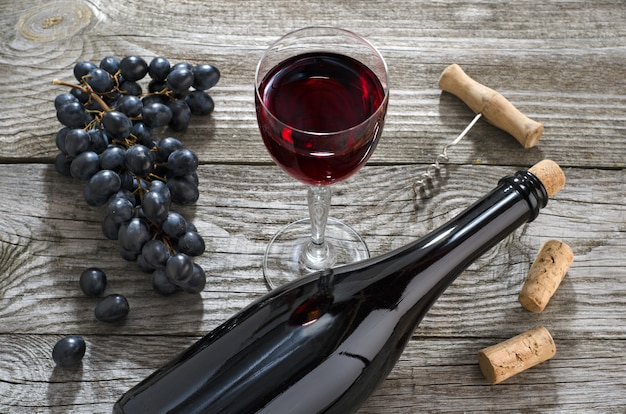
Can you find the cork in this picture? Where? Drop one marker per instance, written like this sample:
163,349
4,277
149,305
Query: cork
506,359
545,275
550,175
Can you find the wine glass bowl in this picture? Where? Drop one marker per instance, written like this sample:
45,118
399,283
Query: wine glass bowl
321,99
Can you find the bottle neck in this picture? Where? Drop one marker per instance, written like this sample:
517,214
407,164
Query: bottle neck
424,268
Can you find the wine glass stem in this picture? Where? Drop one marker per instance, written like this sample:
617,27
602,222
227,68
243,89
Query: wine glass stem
318,254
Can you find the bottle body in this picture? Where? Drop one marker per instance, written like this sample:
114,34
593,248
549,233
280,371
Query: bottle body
325,342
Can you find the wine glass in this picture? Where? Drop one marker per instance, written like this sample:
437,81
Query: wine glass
321,98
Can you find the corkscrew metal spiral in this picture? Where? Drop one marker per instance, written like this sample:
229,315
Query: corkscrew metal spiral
432,169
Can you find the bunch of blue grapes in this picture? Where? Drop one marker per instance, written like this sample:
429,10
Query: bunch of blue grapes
109,141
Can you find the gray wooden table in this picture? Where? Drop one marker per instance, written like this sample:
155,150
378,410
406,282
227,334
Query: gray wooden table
562,63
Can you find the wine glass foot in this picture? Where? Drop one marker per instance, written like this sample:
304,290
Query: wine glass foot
290,255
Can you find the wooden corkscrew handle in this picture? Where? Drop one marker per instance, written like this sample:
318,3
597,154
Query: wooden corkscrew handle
494,107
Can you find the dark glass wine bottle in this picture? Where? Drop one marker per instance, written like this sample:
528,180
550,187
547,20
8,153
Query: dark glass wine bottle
323,343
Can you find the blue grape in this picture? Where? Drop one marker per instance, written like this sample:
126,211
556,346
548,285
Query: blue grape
159,68
196,282
76,141
112,308
120,209
81,95
139,160
200,103
174,225
162,284
113,158
98,141
205,76
85,165
179,268
100,80
160,186
133,68
143,134
72,115
104,183
111,64
62,164
181,115
130,88
82,69
116,124
130,105
64,98
184,189
93,281
155,253
133,234
110,228
191,243
182,65
69,351
156,114
182,162
155,206
165,146
179,80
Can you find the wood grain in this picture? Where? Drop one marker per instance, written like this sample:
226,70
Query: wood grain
561,63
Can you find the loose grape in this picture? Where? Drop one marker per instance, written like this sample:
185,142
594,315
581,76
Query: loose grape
112,308
69,351
93,281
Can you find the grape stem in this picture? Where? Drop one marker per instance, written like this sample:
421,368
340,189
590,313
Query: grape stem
86,90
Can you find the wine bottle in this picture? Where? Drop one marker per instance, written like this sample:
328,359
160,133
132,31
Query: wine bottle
323,343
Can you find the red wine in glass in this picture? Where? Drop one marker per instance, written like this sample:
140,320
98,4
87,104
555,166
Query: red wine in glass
320,116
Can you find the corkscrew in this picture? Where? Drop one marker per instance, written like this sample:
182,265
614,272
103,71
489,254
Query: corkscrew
488,104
